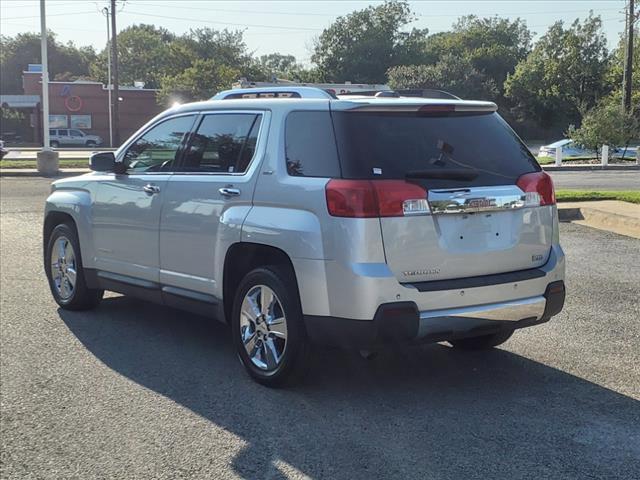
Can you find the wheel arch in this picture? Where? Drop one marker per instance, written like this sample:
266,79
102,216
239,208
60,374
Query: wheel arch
72,207
240,259
52,219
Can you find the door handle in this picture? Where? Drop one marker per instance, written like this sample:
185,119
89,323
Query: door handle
229,192
151,189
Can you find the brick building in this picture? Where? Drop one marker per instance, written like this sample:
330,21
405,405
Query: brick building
83,105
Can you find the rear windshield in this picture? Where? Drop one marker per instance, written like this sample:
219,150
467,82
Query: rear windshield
385,145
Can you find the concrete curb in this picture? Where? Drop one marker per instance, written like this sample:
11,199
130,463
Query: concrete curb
30,172
587,167
592,216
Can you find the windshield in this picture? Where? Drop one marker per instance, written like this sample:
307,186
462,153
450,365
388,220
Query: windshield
390,145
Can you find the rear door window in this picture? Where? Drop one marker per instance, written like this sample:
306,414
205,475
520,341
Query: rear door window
223,143
310,145
390,145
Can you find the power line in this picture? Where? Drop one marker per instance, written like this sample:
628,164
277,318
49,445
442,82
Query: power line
281,27
306,14
49,4
52,29
261,12
49,15
504,14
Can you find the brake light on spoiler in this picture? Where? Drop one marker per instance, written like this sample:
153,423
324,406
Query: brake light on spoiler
397,105
375,198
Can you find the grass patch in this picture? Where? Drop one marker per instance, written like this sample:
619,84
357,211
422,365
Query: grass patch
632,196
552,160
64,163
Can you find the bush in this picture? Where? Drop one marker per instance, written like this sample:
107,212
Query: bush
606,124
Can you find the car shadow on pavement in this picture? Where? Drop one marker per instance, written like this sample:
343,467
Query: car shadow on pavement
421,412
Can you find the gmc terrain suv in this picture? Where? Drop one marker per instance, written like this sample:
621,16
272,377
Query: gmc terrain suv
297,216
72,137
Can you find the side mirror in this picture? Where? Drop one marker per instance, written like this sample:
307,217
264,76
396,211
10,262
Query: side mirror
105,162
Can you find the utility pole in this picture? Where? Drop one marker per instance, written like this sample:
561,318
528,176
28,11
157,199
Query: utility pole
45,77
628,67
115,97
105,10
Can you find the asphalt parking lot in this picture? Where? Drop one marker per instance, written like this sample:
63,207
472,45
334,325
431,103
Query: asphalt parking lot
134,390
597,180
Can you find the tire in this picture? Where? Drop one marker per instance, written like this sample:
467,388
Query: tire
62,257
276,352
483,342
91,143
54,144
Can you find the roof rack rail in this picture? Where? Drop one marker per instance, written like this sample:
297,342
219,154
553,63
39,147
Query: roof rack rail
280,88
273,92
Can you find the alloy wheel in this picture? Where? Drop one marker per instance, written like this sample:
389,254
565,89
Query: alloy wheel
63,267
263,327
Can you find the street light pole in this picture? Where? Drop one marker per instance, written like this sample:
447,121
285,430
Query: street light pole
46,159
45,77
105,10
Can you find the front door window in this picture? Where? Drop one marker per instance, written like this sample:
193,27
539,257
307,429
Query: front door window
158,149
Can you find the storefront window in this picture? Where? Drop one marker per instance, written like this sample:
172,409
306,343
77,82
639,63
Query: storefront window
81,121
58,121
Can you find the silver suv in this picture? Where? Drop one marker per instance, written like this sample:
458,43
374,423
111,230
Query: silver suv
348,221
72,137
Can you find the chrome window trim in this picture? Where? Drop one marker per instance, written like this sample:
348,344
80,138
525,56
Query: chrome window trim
198,116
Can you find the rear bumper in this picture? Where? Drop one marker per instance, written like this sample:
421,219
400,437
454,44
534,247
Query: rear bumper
402,322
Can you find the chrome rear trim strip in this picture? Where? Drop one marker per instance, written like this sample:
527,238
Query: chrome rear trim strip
477,199
511,311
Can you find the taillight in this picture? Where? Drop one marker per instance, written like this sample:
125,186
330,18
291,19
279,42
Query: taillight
351,198
375,198
538,188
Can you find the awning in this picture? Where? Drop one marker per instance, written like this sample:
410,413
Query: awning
19,101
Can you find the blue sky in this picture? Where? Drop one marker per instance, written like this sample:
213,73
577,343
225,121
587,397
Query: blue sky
283,26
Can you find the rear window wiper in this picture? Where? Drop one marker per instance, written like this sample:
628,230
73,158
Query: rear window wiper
444,174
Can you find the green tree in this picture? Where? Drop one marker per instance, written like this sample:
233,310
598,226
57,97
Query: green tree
362,46
197,82
452,73
564,76
277,65
66,62
143,54
493,45
204,61
224,46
